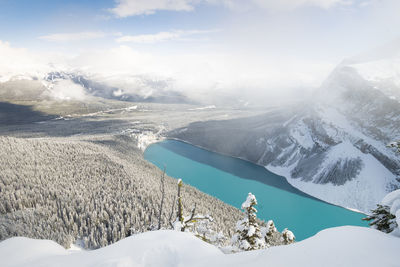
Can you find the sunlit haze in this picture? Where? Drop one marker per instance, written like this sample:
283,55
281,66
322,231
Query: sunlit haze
272,48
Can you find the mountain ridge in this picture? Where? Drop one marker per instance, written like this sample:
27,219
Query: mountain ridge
333,147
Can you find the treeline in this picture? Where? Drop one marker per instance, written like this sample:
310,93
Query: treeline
99,191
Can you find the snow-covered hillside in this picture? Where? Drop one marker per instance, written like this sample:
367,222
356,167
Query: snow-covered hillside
352,246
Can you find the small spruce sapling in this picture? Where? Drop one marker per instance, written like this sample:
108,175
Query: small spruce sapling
271,235
288,236
248,235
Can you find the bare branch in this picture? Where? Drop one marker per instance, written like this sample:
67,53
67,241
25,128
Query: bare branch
162,189
172,213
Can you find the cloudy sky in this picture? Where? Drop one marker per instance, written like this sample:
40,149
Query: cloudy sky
264,45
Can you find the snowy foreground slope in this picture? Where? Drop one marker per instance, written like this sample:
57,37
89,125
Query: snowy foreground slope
352,246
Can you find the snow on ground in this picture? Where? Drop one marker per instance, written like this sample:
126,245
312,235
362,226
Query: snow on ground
347,130
340,246
301,133
203,108
146,138
393,201
370,183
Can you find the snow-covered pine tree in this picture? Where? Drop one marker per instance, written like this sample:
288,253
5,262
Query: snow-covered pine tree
248,235
288,236
381,219
271,235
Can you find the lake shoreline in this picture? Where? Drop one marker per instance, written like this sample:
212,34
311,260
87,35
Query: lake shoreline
228,178
226,155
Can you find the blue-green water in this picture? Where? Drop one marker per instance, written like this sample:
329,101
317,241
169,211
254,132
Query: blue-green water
230,180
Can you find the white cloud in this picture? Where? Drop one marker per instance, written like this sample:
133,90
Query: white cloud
199,75
77,36
161,36
20,62
282,4
202,76
126,8
67,90
254,54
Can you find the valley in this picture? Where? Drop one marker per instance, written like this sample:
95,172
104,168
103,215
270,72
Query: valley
167,133
327,152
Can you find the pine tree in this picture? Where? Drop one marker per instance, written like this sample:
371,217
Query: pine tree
248,235
288,236
381,219
271,235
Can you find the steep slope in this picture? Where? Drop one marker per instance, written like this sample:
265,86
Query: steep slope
97,189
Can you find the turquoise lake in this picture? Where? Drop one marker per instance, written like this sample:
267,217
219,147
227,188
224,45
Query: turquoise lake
231,179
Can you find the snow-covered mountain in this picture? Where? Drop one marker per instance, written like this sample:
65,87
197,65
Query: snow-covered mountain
136,88
74,84
332,147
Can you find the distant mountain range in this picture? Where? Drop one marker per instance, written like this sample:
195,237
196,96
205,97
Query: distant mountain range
58,84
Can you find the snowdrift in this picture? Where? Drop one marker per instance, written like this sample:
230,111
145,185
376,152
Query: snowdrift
341,246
